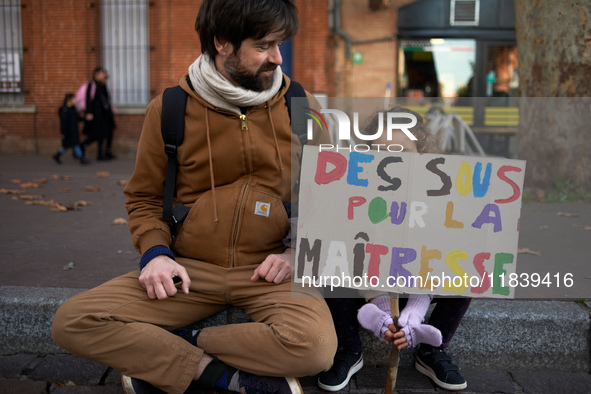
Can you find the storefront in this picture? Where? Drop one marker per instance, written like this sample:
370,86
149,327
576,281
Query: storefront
461,56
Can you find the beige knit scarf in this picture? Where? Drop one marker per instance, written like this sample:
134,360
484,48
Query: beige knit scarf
221,93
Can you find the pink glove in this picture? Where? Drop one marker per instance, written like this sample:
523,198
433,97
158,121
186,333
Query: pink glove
411,319
375,316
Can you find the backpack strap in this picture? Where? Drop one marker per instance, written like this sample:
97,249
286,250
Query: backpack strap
174,101
297,113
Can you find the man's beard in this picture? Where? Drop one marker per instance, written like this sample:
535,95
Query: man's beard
239,74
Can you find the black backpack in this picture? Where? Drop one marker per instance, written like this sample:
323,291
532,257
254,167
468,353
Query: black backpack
174,102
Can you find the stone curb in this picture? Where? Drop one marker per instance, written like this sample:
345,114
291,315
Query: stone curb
494,334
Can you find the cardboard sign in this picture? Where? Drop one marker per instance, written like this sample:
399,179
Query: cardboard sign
408,223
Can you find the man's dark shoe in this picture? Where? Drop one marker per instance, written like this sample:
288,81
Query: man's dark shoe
57,159
255,384
436,364
344,366
136,386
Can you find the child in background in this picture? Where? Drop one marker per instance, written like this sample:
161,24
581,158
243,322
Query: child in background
431,359
69,119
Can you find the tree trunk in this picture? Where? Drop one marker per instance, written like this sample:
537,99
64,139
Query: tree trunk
554,49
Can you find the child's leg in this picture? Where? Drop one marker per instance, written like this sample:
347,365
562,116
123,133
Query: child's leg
57,156
344,316
77,151
348,359
447,315
433,361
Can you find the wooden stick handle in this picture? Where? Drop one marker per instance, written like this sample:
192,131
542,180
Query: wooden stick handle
394,353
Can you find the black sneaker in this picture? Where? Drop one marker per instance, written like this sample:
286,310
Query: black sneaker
436,364
344,366
137,386
255,384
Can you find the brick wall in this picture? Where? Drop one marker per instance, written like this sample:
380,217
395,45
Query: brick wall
310,55
55,36
379,65
61,40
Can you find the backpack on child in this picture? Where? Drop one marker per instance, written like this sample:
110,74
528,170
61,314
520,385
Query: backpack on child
81,94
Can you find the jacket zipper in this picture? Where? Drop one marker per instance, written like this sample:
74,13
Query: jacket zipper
236,225
246,144
244,124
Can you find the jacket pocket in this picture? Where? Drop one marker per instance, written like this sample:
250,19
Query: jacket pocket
200,237
263,225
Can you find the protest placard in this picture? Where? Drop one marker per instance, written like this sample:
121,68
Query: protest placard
408,223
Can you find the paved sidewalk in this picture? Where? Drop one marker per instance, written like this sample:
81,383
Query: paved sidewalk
506,347
66,374
557,235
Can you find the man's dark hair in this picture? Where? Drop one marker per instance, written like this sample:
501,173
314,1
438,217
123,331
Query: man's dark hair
237,20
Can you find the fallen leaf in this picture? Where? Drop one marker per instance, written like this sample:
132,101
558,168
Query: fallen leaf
64,190
59,208
92,188
119,221
56,177
16,181
103,174
543,227
528,251
43,203
40,180
12,191
30,197
568,215
82,203
122,182
68,266
586,228
30,185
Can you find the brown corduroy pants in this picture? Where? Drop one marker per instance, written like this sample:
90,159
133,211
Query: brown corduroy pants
118,325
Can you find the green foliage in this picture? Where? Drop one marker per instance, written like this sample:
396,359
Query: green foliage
565,191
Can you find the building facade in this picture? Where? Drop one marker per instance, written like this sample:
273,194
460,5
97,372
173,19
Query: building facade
50,47
444,49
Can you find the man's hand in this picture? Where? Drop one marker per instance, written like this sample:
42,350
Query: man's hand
275,268
89,117
156,277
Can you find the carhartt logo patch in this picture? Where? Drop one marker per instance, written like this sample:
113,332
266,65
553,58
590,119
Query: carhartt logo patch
262,209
